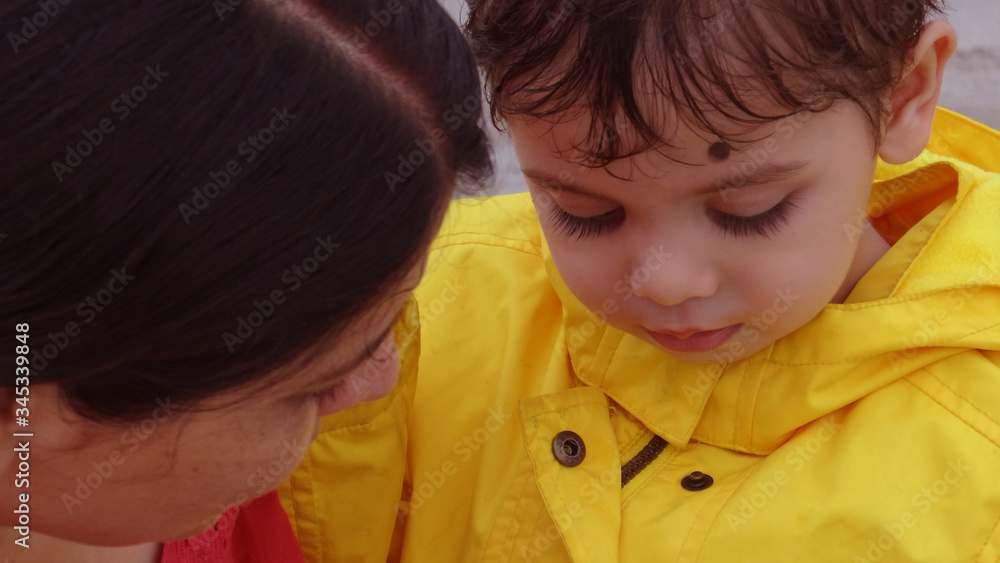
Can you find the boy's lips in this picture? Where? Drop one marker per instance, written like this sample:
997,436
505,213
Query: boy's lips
694,340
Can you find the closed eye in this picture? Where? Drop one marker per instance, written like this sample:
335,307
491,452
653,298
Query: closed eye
581,228
764,224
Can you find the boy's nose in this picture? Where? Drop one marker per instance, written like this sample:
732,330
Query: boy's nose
674,277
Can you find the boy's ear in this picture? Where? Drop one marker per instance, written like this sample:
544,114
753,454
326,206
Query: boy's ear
915,98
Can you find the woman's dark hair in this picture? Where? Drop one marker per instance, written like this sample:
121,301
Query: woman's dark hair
197,193
712,62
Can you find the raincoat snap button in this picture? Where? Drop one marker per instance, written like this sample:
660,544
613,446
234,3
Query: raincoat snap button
569,449
697,481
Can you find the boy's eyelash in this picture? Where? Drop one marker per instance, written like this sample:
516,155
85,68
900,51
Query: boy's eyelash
584,227
763,224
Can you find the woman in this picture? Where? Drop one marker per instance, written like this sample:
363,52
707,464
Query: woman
213,215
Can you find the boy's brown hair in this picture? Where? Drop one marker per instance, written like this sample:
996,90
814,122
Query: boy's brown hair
711,61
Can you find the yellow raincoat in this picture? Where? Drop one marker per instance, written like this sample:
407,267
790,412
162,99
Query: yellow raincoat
872,433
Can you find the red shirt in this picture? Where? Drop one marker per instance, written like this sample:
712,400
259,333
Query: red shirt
257,533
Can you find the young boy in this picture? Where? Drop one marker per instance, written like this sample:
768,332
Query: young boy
724,330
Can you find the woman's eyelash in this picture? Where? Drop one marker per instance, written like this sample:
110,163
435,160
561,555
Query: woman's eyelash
336,389
763,224
585,227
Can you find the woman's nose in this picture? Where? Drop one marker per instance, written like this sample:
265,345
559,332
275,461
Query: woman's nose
670,278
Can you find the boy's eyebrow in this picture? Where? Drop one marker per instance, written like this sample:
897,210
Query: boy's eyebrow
766,173
763,174
556,184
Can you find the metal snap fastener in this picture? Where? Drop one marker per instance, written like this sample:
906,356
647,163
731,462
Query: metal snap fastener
697,481
569,449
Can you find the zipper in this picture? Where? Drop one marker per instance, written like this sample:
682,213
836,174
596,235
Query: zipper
646,455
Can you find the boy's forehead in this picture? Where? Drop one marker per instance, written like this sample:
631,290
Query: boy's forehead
570,137
710,126
716,139
728,67
794,149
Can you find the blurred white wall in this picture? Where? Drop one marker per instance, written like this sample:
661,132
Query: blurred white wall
972,79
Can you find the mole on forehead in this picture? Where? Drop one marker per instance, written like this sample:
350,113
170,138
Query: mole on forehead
718,151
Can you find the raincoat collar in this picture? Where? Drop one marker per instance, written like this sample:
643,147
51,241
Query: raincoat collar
900,317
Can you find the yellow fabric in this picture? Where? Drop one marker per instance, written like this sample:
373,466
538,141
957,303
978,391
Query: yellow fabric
349,514
872,433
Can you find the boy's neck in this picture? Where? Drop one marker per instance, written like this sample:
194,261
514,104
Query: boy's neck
871,248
